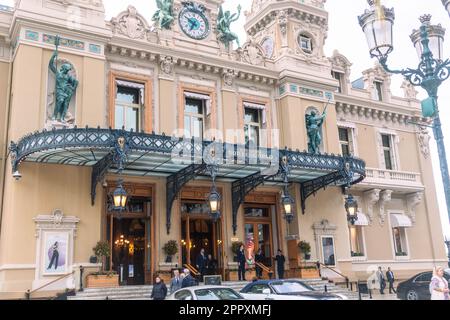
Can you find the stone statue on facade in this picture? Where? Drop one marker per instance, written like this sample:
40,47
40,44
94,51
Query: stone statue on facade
314,125
164,16
65,85
224,20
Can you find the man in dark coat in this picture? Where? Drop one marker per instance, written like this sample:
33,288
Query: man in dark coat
259,257
159,291
201,262
211,265
280,263
390,278
241,263
188,280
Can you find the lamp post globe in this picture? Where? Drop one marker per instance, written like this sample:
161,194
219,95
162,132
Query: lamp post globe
288,206
351,206
214,203
435,35
446,4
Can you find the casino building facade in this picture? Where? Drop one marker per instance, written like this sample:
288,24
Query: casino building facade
161,111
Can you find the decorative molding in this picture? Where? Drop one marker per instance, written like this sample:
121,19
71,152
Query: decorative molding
409,91
412,201
251,53
302,91
131,24
385,197
228,76
371,197
424,141
282,22
56,221
167,64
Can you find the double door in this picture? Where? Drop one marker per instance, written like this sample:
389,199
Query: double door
261,235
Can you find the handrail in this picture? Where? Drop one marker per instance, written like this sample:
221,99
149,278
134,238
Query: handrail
194,271
28,293
263,266
340,274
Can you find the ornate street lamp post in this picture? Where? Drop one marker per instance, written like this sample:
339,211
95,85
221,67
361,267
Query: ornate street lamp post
351,206
377,23
214,199
286,200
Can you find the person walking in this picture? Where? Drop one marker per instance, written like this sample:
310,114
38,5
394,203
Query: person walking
390,278
280,264
439,285
241,263
175,283
201,262
259,257
159,291
381,280
188,280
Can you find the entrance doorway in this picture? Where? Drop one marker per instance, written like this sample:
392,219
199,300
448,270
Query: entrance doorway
199,231
129,236
258,228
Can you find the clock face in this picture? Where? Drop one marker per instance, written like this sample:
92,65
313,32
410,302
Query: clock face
268,45
194,24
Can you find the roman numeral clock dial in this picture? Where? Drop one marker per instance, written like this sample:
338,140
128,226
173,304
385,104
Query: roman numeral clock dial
194,23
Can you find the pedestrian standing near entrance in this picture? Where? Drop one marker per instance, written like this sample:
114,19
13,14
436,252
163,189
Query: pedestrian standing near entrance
381,280
241,261
280,264
201,262
259,257
373,283
175,283
439,285
188,280
211,265
390,278
159,291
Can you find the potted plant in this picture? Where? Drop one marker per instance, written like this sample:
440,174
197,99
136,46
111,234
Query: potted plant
305,248
235,246
102,279
170,249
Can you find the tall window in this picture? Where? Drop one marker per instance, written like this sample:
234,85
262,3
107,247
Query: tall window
129,105
399,241
305,43
387,151
339,77
252,126
356,241
378,90
346,141
194,117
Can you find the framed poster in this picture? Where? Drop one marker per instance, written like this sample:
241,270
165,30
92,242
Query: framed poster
328,253
55,254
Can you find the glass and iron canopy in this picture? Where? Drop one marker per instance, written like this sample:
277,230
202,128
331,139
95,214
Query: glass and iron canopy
180,160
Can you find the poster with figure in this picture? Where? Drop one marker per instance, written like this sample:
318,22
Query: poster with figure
55,253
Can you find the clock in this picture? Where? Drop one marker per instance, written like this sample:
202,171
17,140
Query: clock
268,45
194,23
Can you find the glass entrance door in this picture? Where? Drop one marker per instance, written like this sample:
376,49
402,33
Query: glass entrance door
258,227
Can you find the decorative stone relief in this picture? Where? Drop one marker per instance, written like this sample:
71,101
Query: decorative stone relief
228,76
371,197
282,21
412,201
167,64
385,197
424,141
409,91
131,24
252,53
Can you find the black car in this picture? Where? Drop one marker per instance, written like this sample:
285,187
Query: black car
418,287
284,289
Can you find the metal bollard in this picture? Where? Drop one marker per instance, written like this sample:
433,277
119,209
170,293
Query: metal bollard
28,295
81,278
326,288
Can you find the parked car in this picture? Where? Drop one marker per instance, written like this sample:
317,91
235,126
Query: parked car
418,286
206,293
284,290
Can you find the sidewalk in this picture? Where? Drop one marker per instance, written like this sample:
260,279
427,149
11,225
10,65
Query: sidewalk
378,296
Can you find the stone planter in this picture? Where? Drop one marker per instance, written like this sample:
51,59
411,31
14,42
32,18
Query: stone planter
309,274
102,281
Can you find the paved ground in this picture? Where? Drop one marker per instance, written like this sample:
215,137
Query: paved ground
378,296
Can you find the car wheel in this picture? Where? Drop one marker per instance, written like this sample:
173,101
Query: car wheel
412,295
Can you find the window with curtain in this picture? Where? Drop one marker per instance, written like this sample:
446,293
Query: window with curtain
252,127
339,77
194,117
399,237
378,95
386,141
346,141
356,241
129,105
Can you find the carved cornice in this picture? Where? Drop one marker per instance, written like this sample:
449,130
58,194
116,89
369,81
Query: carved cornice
56,221
188,64
385,197
412,201
371,197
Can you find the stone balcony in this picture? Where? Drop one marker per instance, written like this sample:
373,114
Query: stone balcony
399,181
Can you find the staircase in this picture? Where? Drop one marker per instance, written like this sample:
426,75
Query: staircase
144,292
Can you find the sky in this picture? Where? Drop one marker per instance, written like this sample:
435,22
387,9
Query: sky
346,36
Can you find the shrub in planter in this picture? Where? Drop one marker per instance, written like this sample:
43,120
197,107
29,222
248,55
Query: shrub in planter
357,254
102,251
305,248
170,249
401,254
